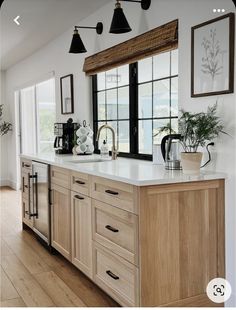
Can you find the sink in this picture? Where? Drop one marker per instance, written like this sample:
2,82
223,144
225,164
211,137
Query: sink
86,161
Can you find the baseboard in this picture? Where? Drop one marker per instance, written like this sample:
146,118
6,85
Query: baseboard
11,184
4,183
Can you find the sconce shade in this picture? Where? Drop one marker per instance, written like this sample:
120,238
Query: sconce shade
119,22
77,45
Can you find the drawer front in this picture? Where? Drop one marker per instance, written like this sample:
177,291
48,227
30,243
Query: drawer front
25,213
60,176
116,276
80,183
116,229
115,193
25,185
26,165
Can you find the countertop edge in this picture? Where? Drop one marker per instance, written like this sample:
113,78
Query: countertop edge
163,181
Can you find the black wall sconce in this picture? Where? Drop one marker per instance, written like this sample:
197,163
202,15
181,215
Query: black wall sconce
77,45
119,22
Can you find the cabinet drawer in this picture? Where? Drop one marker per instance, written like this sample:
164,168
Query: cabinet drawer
25,185
116,229
80,183
115,193
115,276
26,165
25,213
60,176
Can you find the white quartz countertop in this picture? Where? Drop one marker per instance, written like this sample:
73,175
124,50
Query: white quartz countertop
131,171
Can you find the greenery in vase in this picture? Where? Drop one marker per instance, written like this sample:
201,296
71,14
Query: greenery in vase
199,128
4,126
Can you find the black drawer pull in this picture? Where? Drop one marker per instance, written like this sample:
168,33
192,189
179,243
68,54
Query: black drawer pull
111,192
26,186
112,275
79,197
26,165
111,228
80,182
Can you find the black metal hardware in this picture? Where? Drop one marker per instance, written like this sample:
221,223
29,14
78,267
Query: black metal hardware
111,228
98,27
26,186
36,194
50,196
29,212
112,275
108,191
79,197
80,182
26,165
145,4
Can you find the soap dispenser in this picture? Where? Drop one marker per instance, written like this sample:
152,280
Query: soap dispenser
104,150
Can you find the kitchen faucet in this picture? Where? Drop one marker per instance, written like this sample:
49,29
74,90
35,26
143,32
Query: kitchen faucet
114,150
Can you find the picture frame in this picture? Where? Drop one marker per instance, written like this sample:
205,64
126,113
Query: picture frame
212,57
67,94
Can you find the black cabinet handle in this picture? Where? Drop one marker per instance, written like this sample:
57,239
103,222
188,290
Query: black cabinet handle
26,186
26,165
112,275
80,182
111,192
111,228
78,197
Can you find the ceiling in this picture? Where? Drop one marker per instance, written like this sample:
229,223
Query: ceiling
41,21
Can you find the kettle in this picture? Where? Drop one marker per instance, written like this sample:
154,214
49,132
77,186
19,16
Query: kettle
170,146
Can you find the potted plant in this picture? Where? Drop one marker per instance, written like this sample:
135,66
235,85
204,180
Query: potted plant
4,126
197,129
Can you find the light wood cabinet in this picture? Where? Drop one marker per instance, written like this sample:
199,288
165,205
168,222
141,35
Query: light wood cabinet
81,228
116,229
118,194
60,176
181,242
116,276
145,246
80,182
25,213
61,220
26,170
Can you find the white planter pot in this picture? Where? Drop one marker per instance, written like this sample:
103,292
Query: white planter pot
191,162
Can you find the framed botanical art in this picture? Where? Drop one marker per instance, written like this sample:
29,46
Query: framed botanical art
212,59
67,94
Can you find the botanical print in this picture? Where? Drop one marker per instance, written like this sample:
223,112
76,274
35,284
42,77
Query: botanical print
211,54
211,61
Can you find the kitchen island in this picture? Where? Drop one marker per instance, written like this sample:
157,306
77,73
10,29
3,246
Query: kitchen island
146,236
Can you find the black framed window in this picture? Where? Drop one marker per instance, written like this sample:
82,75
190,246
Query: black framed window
137,100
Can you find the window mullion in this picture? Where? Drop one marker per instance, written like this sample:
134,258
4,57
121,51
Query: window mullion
95,110
133,73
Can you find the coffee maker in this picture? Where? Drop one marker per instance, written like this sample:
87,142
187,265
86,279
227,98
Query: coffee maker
65,133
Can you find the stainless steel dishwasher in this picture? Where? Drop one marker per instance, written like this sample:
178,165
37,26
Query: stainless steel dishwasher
39,203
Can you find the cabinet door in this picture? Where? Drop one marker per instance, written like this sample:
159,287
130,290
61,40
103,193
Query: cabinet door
60,220
81,233
26,198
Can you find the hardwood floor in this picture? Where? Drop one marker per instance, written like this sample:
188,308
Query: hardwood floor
30,275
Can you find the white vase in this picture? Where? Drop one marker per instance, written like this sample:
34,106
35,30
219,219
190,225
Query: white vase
191,163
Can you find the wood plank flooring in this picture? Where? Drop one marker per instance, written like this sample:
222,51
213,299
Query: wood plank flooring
30,275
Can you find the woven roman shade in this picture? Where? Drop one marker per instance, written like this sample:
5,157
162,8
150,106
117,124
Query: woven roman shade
155,41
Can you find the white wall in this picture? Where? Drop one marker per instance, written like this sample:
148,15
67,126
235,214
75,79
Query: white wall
55,57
